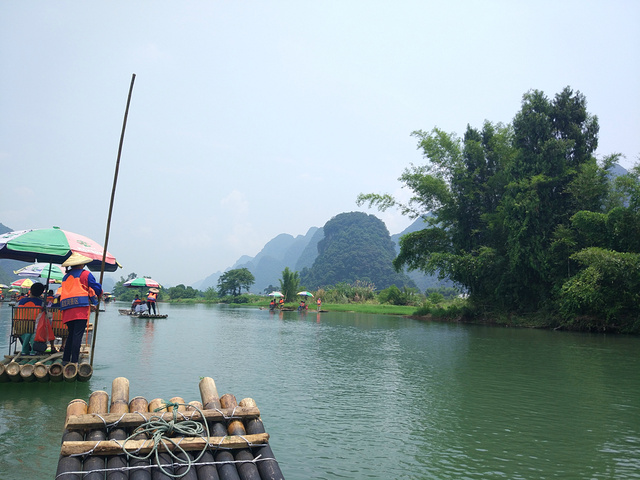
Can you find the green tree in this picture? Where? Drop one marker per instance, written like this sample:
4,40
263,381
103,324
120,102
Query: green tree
289,284
182,291
496,203
233,281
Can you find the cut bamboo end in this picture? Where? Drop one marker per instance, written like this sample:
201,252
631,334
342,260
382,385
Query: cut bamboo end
235,445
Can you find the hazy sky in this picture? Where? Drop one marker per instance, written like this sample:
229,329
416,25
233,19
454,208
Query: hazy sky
255,118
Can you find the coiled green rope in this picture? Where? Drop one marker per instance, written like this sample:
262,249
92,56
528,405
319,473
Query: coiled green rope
159,430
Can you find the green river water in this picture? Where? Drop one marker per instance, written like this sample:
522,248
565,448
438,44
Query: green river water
354,396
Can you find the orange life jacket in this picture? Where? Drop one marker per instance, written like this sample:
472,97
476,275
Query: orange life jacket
77,294
152,297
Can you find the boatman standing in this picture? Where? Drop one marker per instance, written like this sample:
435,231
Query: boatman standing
80,292
152,296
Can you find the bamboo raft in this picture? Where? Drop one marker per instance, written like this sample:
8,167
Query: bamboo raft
44,368
126,311
214,438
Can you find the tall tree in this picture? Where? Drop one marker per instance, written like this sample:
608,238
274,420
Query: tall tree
233,281
289,284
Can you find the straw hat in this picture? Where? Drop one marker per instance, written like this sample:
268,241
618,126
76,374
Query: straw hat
154,290
76,259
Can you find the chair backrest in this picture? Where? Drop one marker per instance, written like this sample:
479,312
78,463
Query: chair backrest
24,320
59,330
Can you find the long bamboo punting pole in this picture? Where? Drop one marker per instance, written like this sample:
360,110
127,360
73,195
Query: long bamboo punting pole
66,463
248,470
113,195
98,404
269,469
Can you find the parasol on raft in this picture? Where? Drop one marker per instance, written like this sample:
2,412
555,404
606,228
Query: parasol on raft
53,245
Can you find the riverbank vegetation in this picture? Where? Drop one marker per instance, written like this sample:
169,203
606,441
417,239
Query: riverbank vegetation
525,220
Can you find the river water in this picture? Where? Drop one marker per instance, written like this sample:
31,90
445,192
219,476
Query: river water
355,396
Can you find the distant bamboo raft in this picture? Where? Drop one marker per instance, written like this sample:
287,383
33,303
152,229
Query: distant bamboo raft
214,438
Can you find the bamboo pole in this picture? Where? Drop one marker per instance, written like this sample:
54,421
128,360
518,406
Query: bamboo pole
98,404
70,372
134,419
269,469
110,447
119,406
210,402
113,194
247,470
67,463
26,372
139,404
55,371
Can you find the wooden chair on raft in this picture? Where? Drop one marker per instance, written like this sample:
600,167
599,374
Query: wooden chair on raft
23,320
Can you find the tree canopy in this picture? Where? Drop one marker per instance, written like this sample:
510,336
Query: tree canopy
233,281
513,213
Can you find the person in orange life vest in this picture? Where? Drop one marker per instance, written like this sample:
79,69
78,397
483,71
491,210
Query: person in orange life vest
135,303
281,302
32,300
319,303
80,292
151,300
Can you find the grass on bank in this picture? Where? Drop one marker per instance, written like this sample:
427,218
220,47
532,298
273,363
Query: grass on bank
457,310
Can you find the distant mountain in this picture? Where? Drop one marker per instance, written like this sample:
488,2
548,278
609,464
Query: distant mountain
356,246
282,251
301,252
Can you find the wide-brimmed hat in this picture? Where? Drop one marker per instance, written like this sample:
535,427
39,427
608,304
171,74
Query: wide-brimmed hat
76,259
154,290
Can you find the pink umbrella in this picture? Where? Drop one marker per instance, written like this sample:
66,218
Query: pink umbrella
142,282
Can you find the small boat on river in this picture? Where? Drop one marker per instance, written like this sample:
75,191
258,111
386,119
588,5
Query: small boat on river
126,311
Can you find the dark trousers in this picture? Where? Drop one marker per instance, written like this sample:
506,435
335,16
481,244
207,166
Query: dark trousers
74,341
151,305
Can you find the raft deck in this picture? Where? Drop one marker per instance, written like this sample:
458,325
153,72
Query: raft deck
16,367
215,437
